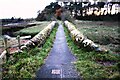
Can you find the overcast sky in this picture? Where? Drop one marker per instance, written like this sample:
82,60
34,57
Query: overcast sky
21,8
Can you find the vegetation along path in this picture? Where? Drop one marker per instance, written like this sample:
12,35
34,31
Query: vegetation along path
59,62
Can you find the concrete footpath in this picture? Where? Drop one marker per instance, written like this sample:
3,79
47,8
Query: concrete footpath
59,62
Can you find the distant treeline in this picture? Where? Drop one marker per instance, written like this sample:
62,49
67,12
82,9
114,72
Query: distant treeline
12,20
107,17
79,11
15,20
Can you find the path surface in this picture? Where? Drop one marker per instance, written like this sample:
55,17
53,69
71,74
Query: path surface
59,62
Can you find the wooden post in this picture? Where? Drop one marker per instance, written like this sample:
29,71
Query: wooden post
6,48
18,37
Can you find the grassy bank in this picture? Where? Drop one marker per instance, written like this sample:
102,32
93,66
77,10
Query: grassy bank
25,64
92,65
32,30
105,33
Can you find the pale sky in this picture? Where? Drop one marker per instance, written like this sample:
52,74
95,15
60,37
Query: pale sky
22,8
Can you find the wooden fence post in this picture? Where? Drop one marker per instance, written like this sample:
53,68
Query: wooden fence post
18,37
6,48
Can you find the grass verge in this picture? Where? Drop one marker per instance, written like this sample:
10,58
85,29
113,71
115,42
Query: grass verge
92,65
25,64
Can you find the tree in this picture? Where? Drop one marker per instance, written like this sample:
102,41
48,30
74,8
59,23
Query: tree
48,12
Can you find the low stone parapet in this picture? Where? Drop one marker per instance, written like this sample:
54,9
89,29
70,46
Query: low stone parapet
40,38
81,40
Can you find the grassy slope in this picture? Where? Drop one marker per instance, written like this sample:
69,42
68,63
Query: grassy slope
88,63
104,33
25,64
32,30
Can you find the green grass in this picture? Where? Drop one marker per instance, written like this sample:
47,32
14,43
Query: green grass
101,32
101,35
88,62
25,64
32,30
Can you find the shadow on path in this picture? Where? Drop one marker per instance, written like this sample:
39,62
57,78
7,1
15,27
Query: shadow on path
59,62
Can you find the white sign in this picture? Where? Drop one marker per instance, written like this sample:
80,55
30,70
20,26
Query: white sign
55,71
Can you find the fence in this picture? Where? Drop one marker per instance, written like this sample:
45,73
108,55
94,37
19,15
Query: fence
6,53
